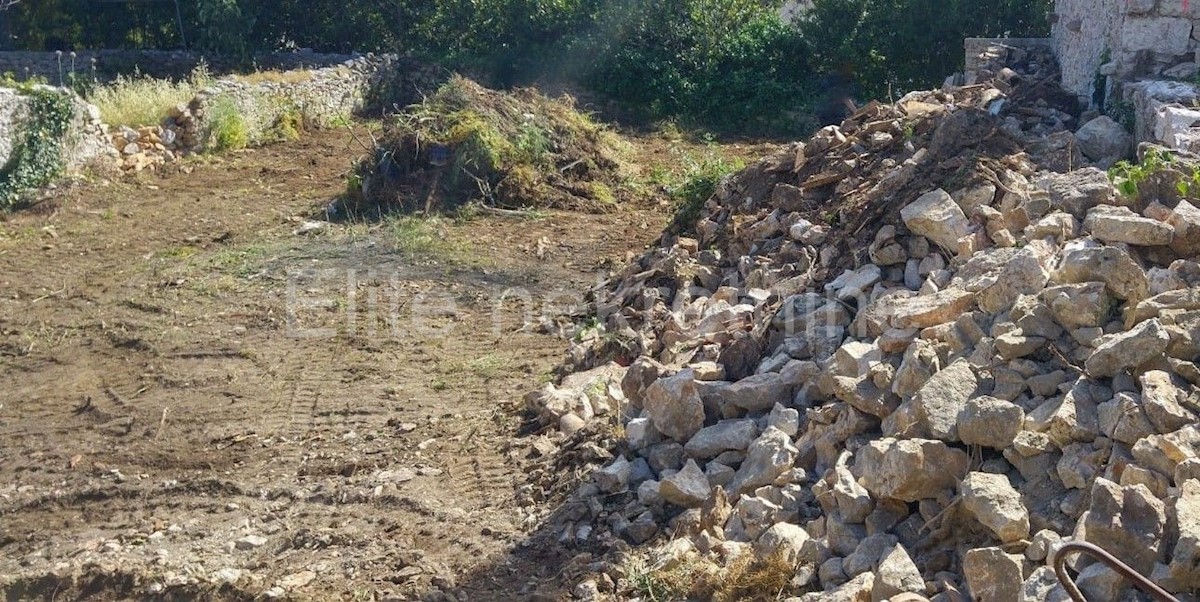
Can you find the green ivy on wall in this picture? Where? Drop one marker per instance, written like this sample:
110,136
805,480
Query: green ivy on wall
37,156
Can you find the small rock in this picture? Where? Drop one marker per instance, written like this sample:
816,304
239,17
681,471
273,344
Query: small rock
993,575
1128,350
688,488
937,217
674,406
989,422
1120,225
250,542
909,470
993,501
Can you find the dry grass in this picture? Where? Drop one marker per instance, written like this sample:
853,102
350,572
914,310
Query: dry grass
693,577
140,100
276,77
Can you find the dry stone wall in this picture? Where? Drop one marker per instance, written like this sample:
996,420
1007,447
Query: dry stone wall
86,143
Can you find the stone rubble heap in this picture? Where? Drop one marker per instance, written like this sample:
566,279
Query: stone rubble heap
913,355
146,147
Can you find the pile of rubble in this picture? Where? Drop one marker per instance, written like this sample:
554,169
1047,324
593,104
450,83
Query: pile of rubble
147,147
913,355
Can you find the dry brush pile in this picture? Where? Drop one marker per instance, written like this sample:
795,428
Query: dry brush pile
910,357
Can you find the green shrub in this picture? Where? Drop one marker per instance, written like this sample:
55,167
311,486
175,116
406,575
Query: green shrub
227,127
700,181
37,156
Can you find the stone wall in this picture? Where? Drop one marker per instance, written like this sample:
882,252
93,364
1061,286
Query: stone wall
85,143
55,67
1107,41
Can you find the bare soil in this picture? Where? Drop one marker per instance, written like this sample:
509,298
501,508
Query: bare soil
197,402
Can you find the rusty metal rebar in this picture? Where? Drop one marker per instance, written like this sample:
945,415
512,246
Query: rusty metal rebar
1137,579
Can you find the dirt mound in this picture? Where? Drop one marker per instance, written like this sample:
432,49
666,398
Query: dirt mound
509,149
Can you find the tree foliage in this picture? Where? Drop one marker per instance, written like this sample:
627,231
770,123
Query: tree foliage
729,64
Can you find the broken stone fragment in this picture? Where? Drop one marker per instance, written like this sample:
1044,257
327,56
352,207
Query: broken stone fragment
908,469
725,435
1103,139
1078,191
1120,225
674,406
993,575
993,501
1127,350
937,217
769,456
989,422
688,488
939,402
1082,261
1128,522
1078,305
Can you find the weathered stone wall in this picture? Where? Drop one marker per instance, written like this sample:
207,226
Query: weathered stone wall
56,67
85,143
1124,40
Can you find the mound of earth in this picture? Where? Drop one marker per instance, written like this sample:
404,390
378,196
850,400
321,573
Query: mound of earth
508,149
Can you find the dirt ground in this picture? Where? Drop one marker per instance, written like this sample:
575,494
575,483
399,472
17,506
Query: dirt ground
197,401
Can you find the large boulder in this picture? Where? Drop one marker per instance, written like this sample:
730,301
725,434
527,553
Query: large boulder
1128,522
1128,350
1120,225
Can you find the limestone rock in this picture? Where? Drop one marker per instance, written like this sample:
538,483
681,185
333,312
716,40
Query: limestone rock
725,435
993,501
1185,559
769,456
1113,266
896,573
687,488
989,422
1078,191
1120,225
1128,522
993,575
674,406
943,397
1185,219
786,537
1102,138
1079,305
1128,350
937,217
909,470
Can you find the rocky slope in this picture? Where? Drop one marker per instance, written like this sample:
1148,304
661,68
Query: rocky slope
911,356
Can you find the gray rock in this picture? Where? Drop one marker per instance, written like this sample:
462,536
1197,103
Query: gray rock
1185,219
1098,582
937,217
667,455
1120,225
1042,586
755,393
614,477
641,529
674,406
989,422
993,501
896,573
866,556
1077,191
993,575
250,542
1161,396
940,400
769,456
1016,344
853,501
725,435
1123,419
1128,522
1083,262
1164,452
1128,350
785,419
1104,139
786,537
1185,559
1079,305
909,470
1043,545
688,488
640,433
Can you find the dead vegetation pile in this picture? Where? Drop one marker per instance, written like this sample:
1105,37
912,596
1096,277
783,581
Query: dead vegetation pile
507,149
